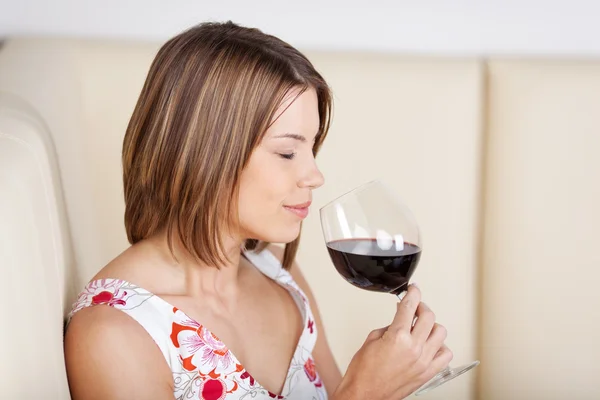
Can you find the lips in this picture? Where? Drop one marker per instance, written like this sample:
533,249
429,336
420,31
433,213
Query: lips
303,205
300,210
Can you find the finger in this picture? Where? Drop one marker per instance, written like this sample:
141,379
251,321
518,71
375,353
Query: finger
406,310
424,323
442,359
435,342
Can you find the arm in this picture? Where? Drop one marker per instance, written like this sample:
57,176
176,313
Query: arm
110,356
325,363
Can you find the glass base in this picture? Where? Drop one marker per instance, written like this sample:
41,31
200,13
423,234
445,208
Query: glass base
444,376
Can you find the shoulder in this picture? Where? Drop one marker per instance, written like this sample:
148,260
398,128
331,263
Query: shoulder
137,264
107,351
109,355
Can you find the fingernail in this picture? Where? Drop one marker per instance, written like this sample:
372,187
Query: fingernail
415,285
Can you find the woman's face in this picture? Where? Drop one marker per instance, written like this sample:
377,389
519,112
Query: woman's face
276,186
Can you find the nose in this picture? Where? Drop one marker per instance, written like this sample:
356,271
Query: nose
313,178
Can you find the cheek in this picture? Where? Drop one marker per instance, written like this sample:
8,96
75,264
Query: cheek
265,186
259,200
266,182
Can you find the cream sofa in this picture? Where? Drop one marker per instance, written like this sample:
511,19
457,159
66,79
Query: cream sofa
497,159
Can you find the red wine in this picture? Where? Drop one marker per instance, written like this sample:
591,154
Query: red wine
365,265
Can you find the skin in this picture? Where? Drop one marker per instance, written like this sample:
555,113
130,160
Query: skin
254,316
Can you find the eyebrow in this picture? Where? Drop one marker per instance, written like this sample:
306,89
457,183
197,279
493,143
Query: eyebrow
290,136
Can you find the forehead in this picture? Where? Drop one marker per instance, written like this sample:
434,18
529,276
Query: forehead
298,114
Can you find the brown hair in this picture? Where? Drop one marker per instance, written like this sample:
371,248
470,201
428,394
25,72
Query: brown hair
210,94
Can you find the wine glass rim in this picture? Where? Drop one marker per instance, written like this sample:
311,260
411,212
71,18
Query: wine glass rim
357,189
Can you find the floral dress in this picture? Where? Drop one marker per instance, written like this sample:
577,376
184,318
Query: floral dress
202,366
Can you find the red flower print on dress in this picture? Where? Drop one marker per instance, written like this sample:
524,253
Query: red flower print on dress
213,386
311,325
198,346
109,298
113,292
313,376
246,375
309,368
213,389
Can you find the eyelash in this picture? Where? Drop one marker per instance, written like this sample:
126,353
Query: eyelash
289,156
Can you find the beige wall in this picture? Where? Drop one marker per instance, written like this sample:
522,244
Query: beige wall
540,270
496,159
383,128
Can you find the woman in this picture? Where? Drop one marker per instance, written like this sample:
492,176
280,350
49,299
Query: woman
218,162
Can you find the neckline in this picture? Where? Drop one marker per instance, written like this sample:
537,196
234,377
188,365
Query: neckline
296,295
297,348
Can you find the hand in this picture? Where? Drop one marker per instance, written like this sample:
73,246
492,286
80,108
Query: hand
396,360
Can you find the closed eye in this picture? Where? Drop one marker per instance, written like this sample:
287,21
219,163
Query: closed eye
287,156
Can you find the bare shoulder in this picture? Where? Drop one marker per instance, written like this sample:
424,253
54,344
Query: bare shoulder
109,355
137,264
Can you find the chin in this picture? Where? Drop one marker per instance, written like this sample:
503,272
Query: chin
282,236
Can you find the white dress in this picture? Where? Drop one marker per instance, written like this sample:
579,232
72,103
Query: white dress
202,366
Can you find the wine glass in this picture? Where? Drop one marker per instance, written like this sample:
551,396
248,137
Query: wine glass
374,242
